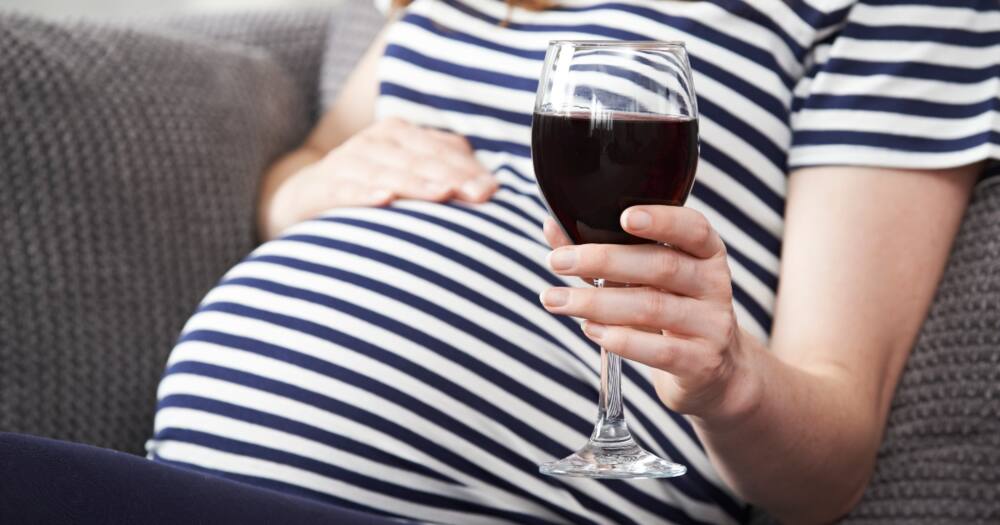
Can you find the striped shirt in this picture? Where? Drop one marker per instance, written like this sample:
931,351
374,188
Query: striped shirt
781,85
397,359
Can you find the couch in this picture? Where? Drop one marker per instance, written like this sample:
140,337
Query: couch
130,156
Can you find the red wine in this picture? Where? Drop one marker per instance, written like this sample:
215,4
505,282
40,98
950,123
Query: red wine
591,170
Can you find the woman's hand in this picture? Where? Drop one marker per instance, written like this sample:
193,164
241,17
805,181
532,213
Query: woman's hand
391,159
679,319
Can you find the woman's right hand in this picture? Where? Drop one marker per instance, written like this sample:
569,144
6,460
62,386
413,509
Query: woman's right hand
391,159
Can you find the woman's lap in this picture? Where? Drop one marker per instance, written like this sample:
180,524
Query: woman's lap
372,359
48,481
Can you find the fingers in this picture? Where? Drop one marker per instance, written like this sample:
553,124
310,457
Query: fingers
404,185
674,355
557,238
421,140
554,235
373,197
432,155
388,160
342,194
649,264
479,189
446,165
682,228
635,307
461,183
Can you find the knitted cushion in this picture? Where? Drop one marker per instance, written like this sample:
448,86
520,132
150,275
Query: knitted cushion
293,38
129,164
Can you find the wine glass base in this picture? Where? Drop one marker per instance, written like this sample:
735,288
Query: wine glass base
613,461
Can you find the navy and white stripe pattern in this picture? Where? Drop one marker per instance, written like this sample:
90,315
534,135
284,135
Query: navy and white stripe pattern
397,360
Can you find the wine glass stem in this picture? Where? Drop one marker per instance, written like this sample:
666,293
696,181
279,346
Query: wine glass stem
610,427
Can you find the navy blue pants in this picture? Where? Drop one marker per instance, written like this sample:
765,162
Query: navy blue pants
53,482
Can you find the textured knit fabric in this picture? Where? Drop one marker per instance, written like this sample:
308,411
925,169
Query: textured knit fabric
49,482
397,359
129,165
289,37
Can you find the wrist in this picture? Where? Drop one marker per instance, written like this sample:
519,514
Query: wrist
743,389
269,222
273,206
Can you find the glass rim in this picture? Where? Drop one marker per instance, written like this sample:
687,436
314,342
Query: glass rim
650,44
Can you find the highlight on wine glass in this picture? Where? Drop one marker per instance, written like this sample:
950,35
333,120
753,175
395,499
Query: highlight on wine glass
615,125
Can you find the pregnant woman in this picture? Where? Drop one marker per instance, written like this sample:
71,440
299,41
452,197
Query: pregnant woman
387,349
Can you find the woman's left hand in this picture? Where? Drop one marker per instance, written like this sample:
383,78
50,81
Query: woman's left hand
679,317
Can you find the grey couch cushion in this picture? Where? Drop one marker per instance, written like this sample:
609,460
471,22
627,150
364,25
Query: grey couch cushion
293,38
129,164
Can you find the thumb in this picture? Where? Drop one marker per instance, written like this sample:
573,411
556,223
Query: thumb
554,234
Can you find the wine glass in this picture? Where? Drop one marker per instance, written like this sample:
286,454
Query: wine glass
615,125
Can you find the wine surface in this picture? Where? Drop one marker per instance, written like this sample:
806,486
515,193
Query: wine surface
590,170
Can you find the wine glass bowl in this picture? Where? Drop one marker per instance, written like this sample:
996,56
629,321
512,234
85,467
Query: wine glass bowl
615,125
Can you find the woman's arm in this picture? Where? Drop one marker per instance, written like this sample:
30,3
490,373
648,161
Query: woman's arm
351,160
864,250
352,111
793,428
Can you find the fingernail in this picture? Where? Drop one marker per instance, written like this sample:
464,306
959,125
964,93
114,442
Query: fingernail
475,189
555,297
638,220
562,259
594,330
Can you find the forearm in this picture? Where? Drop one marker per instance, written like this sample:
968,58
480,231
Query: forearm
794,428
351,113
862,254
803,444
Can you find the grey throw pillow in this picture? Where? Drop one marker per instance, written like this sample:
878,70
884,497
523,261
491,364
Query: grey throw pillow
129,165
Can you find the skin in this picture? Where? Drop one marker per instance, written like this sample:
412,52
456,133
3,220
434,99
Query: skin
793,426
351,160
